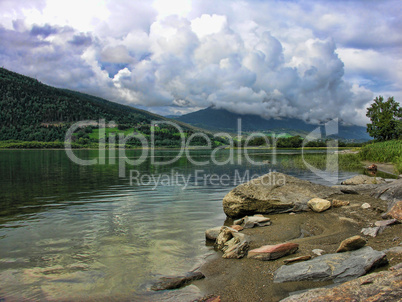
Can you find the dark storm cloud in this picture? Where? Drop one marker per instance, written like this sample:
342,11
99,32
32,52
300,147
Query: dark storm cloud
43,31
81,40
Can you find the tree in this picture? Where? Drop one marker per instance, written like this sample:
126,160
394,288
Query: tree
385,119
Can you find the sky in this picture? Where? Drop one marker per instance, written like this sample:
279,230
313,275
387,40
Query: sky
314,60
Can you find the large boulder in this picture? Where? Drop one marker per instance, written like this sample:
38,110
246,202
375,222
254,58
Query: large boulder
363,180
273,193
381,286
339,267
389,192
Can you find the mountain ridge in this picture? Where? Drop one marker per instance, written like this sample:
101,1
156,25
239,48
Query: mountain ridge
223,120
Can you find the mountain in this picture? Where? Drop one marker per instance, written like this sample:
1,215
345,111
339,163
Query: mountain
26,101
33,111
224,120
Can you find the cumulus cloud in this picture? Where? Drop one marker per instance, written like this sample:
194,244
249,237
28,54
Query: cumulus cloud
310,60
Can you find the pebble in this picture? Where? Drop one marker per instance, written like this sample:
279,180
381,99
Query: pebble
318,252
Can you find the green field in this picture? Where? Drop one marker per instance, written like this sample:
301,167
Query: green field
384,152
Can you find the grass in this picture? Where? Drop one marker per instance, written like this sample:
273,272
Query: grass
384,152
346,162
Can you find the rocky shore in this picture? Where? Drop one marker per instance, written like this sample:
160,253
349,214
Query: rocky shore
285,237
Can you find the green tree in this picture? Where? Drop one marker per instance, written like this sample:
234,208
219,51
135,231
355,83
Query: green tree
385,119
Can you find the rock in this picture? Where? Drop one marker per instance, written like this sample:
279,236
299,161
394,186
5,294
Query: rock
395,212
296,259
237,227
232,243
236,248
394,250
177,282
384,223
381,286
253,221
212,234
273,193
224,236
366,205
363,180
396,267
351,243
209,298
319,205
373,232
339,203
339,267
271,252
348,191
318,252
390,192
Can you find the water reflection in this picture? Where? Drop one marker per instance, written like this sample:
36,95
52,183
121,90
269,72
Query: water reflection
80,232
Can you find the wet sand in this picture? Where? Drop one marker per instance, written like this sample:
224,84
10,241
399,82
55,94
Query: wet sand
251,280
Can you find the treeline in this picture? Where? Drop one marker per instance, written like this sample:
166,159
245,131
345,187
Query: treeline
163,136
294,142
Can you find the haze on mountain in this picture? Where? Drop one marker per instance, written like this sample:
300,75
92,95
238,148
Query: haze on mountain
223,120
308,60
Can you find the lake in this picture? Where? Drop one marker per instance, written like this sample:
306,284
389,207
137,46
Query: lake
77,232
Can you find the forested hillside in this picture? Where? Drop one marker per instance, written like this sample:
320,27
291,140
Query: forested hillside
32,111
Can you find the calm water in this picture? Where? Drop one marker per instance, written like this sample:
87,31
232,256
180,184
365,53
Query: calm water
79,232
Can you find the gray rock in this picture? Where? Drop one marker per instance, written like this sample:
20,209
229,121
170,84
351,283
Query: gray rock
166,283
389,192
382,286
339,267
384,223
373,232
363,180
212,234
273,193
394,250
253,221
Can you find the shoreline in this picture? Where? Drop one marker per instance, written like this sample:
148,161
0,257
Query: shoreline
252,280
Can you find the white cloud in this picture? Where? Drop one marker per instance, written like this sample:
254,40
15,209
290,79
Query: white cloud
312,60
